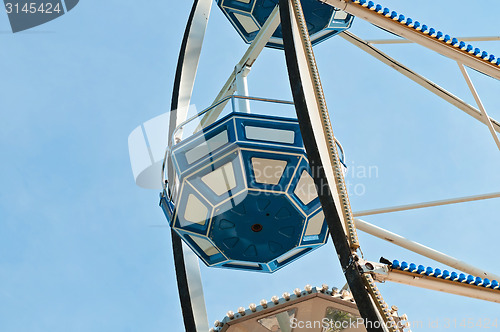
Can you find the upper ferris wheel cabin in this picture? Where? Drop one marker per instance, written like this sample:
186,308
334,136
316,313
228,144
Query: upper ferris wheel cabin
249,16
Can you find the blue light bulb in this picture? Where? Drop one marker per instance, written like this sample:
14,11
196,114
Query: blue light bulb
404,266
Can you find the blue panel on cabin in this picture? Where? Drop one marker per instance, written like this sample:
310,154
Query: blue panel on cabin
248,16
258,229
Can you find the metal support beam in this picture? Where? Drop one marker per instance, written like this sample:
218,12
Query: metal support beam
422,250
441,285
426,204
406,41
484,115
246,63
242,89
422,81
301,72
416,36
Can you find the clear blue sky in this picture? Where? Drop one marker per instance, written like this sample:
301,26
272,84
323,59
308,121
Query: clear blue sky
79,250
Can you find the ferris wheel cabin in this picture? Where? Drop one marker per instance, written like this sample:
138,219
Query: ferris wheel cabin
243,196
248,17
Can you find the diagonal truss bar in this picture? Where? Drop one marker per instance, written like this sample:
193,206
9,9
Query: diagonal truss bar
484,114
422,81
426,204
406,41
187,267
407,32
422,250
245,63
314,125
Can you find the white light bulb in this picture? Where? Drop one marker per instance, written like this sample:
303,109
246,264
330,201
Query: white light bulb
308,289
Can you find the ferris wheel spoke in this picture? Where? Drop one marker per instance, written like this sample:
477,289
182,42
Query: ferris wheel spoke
457,288
422,250
419,79
434,279
428,37
406,41
484,115
426,204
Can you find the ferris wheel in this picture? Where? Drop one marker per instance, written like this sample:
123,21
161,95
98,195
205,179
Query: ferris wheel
250,188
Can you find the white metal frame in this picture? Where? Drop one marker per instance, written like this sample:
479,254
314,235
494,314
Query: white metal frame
426,204
416,37
415,77
462,58
383,273
237,82
406,41
441,285
423,250
484,116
